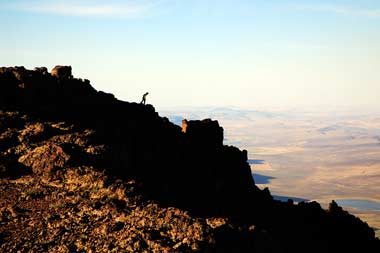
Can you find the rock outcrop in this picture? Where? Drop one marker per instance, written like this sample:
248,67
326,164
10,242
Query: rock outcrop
59,133
203,132
61,72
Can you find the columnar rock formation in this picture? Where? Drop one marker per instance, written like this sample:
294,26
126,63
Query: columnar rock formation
203,132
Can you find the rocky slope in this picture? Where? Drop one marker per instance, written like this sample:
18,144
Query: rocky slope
83,171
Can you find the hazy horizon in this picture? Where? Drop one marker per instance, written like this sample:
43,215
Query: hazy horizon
195,53
307,155
293,82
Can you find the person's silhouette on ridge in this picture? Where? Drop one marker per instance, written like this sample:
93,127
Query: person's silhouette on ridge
143,101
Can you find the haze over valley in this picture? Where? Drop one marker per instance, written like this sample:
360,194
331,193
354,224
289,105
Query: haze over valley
308,154
280,99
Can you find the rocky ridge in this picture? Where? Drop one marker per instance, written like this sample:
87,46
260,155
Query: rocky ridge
83,171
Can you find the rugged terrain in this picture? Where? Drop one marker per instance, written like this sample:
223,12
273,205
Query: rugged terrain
83,171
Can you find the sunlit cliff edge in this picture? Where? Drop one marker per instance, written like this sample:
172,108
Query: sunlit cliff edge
83,171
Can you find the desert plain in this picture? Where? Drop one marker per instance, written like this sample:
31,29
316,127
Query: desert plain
307,154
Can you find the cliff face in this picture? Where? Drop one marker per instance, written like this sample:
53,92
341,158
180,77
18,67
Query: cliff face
54,126
179,168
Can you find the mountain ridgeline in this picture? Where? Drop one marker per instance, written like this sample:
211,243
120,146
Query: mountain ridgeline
188,168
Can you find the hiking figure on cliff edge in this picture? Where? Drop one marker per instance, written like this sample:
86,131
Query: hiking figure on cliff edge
143,101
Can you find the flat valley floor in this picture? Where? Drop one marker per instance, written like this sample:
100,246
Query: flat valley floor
320,155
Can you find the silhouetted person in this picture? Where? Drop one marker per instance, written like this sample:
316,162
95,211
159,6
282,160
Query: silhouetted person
144,98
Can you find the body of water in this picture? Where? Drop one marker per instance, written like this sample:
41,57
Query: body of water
360,204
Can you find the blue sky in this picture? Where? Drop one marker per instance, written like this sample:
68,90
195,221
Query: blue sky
205,53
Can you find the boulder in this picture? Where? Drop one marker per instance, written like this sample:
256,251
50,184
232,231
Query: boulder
62,72
44,159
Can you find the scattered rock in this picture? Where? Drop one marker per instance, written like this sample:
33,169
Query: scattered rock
126,179
44,159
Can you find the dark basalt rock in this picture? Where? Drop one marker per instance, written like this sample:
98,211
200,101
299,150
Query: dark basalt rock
44,159
61,72
203,133
55,122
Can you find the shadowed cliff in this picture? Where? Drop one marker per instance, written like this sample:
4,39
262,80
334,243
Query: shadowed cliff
187,168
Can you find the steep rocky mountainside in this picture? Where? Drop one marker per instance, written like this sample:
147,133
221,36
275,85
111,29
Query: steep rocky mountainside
83,171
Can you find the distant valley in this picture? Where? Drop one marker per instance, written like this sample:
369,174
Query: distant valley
307,155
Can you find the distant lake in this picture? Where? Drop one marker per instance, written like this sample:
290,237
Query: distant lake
359,204
285,198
